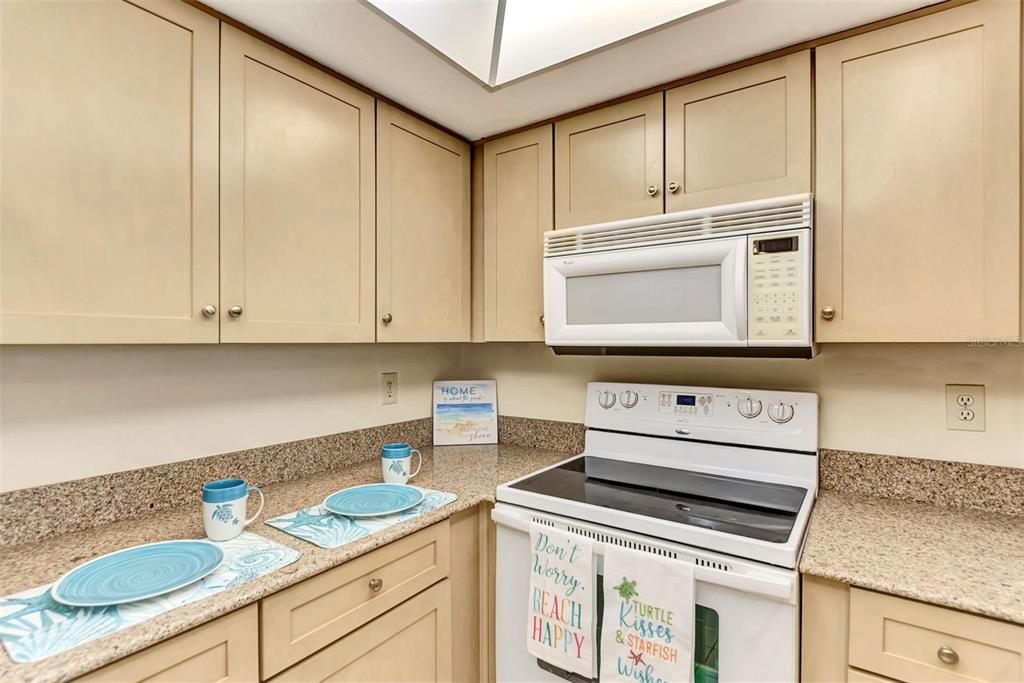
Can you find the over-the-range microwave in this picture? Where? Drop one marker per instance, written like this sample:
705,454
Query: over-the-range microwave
726,280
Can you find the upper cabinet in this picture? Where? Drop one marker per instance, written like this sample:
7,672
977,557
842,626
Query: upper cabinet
609,163
423,231
918,179
518,209
297,200
108,146
739,136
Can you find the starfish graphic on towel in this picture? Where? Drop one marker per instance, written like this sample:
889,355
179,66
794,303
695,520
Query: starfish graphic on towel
627,589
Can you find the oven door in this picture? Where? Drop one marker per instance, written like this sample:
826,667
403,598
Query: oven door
692,294
746,617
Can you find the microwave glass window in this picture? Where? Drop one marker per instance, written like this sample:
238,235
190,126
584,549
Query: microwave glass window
670,295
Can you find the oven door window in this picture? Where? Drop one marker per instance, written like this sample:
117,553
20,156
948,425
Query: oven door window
667,295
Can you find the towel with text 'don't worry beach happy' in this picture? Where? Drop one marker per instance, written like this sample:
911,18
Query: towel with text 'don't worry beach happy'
562,600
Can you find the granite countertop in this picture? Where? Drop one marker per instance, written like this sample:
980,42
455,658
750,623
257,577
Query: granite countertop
969,560
471,472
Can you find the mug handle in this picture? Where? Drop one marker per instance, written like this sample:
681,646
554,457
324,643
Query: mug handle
253,518
419,463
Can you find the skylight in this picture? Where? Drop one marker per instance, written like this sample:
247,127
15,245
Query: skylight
498,41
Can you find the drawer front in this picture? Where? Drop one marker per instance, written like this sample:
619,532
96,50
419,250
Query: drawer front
913,641
302,619
858,676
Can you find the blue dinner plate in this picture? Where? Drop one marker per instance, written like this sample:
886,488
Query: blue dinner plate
373,500
137,573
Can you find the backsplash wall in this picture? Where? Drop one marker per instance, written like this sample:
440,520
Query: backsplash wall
875,398
78,411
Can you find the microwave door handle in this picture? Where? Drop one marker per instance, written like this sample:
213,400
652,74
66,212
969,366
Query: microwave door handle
740,291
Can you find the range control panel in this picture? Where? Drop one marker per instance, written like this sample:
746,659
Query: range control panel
778,267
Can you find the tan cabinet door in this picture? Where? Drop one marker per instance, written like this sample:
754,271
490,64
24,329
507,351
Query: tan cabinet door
918,179
410,643
108,146
608,163
423,231
518,209
740,136
297,200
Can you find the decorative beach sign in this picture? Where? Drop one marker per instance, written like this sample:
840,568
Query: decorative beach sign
647,626
465,412
560,616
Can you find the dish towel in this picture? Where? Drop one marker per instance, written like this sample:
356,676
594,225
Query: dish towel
647,627
562,600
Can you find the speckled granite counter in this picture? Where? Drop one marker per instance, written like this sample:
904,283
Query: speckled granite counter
966,559
472,472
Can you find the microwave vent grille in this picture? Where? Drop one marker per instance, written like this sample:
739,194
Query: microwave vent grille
768,215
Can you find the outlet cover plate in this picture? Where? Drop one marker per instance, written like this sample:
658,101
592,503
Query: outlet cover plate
388,388
962,400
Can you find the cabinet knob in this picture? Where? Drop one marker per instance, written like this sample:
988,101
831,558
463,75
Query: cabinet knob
948,655
235,311
376,585
673,187
209,310
541,319
386,318
652,190
828,312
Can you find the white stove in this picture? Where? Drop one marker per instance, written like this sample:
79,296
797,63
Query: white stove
722,478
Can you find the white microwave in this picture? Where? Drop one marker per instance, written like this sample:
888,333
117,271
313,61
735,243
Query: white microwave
726,280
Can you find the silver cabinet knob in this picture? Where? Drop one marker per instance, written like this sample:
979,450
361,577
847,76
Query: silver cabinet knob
673,187
209,310
948,655
376,585
386,318
828,312
652,190
235,311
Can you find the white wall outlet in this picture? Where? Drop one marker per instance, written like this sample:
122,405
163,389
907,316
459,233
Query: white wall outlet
388,388
965,407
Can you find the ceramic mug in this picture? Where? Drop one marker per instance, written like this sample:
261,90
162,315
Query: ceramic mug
224,503
396,462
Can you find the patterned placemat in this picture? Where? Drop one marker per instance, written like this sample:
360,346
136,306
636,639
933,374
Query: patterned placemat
328,530
33,626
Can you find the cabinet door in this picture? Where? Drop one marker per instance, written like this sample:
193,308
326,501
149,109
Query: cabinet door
918,179
297,200
608,163
410,643
108,154
518,208
740,136
423,231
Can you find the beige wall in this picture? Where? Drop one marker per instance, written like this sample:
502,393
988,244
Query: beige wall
882,398
76,411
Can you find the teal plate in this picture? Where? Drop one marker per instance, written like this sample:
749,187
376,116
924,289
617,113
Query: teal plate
137,573
373,500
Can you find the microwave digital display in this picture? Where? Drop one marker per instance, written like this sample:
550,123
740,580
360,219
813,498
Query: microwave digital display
684,400
774,246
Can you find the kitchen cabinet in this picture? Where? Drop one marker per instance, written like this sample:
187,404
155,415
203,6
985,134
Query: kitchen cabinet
518,209
743,135
224,650
297,200
423,231
609,163
108,146
918,179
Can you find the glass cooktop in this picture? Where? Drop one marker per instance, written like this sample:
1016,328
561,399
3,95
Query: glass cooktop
741,507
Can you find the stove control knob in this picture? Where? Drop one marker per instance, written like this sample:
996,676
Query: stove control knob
606,399
780,412
628,399
749,408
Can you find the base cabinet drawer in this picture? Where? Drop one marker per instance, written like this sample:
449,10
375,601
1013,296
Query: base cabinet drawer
913,641
410,643
300,620
222,650
858,676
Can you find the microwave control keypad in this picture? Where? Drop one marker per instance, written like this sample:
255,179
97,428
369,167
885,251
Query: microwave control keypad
775,289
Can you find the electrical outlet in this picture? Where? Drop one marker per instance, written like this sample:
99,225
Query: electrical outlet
965,407
388,388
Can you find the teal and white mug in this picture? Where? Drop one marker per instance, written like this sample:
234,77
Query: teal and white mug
396,462
224,507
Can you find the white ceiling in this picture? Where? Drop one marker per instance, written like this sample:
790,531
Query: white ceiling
354,38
